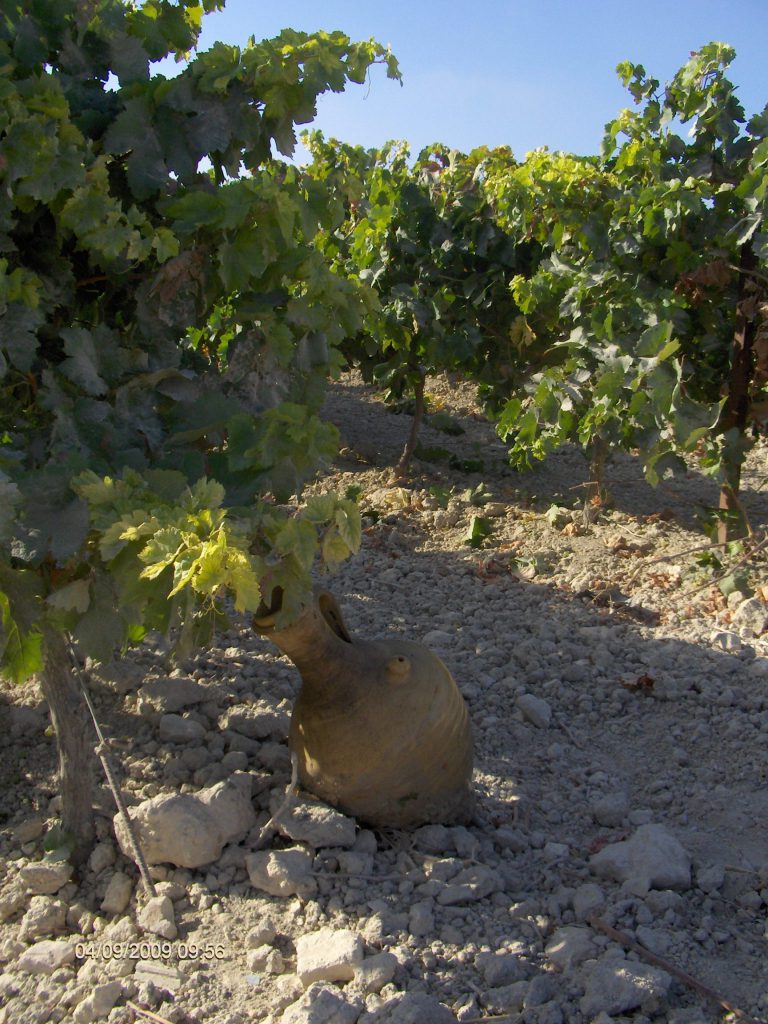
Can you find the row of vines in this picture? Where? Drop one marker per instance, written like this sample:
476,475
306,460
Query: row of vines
615,301
174,295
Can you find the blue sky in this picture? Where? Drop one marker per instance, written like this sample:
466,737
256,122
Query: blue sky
522,73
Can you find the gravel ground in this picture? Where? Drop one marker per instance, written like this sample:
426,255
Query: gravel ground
620,712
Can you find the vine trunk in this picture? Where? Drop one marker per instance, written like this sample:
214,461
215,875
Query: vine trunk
72,726
404,462
736,410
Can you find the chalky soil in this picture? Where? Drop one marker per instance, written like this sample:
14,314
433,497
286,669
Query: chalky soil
620,715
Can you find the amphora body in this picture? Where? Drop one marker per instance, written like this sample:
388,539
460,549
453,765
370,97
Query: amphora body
380,728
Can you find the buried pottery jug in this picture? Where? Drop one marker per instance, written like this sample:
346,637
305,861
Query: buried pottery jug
379,727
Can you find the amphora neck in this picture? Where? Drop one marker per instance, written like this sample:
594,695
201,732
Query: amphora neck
316,639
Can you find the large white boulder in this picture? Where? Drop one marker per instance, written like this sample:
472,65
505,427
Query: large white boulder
190,830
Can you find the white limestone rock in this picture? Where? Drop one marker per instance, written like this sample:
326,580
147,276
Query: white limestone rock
534,710
44,917
172,694
469,885
45,877
282,872
191,830
500,968
98,1005
617,986
375,972
328,955
410,1008
46,957
118,894
570,945
177,729
257,721
157,917
652,858
262,934
322,1004
317,825
102,857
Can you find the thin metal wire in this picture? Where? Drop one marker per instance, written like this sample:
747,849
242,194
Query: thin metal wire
102,752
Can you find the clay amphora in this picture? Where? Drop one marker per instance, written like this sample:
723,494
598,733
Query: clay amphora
379,726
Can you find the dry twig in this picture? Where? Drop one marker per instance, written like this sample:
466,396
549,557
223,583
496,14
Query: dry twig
289,800
147,1013
730,569
658,961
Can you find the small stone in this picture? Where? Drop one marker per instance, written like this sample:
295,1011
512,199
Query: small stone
466,843
617,985
355,864
505,998
286,989
274,756
282,872
499,969
611,809
318,825
175,729
173,890
235,761
570,945
321,1004
172,694
45,916
751,617
10,949
118,894
263,933
102,857
157,917
46,957
655,939
99,1003
470,885
658,902
444,869
29,830
451,935
45,877
588,898
553,852
257,958
375,972
652,858
26,721
725,641
687,1015
410,1008
122,930
275,963
437,638
257,721
710,879
159,976
534,710
365,842
508,838
328,955
541,989
421,918
433,839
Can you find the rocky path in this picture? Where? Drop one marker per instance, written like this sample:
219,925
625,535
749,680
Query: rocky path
620,712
